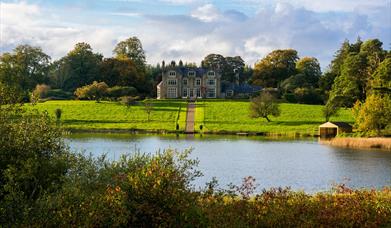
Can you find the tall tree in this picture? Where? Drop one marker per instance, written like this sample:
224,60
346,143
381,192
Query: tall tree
78,68
25,67
350,85
275,67
131,48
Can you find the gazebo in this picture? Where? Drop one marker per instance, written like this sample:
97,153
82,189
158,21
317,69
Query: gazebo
331,129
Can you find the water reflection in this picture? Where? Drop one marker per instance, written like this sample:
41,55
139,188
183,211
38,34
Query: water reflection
302,164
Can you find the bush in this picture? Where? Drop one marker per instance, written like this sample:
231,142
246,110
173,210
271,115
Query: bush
59,94
33,162
129,101
95,91
121,91
290,97
308,96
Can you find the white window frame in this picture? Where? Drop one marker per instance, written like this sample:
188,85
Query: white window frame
211,80
172,73
171,82
185,93
208,93
191,73
172,92
185,81
198,92
211,73
196,82
230,93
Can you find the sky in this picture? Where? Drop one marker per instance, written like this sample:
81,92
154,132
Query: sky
191,29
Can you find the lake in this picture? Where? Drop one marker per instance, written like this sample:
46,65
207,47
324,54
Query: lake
301,164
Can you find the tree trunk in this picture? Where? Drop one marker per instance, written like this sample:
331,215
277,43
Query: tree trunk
267,118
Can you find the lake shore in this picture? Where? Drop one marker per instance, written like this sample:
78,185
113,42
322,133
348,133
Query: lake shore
362,143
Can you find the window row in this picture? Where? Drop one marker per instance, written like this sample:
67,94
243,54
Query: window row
191,73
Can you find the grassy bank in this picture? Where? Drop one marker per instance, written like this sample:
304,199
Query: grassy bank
233,116
369,143
216,116
89,115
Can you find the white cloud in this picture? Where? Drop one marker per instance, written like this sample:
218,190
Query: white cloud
206,13
207,29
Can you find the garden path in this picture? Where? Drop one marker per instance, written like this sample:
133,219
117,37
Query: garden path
190,118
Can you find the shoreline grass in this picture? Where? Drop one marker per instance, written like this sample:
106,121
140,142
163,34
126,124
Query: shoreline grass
369,143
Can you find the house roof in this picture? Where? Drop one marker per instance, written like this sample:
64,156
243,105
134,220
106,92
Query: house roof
336,124
200,71
243,88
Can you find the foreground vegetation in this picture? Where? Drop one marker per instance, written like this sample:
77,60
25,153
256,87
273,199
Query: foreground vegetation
42,183
233,116
105,115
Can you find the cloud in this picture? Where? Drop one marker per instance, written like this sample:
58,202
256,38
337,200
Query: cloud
206,13
204,29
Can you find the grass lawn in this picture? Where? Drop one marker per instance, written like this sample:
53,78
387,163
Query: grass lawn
220,115
89,115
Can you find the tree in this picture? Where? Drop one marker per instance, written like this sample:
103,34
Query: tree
78,68
310,68
131,48
329,110
381,79
95,91
123,72
25,67
148,107
263,106
351,84
275,67
374,114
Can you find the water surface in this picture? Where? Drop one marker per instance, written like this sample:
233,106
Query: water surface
301,164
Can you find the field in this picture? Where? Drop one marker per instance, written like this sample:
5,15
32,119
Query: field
216,116
90,115
233,116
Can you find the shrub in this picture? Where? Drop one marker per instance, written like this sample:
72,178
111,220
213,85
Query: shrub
59,94
308,96
121,91
95,91
33,161
129,100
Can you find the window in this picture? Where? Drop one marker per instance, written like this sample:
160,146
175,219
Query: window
171,82
191,73
172,73
185,92
211,93
211,73
198,92
172,92
185,81
198,82
158,93
230,93
211,82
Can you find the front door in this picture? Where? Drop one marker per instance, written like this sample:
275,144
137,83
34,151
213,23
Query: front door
191,93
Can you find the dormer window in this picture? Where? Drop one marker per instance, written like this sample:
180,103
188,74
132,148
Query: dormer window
211,73
191,73
172,73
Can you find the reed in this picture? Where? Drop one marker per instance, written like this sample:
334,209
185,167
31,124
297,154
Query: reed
381,143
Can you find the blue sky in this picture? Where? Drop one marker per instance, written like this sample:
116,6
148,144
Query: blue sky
191,29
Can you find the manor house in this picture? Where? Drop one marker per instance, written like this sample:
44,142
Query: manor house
189,82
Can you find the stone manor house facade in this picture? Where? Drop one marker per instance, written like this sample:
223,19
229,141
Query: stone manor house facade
188,82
